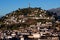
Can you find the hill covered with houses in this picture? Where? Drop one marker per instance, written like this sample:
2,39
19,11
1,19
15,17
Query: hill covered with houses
28,17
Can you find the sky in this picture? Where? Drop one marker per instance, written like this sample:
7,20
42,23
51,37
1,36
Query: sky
7,6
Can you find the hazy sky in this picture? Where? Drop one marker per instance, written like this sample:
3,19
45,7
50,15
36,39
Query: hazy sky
7,6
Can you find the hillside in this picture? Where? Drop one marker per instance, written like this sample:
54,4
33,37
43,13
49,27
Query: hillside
26,17
55,10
